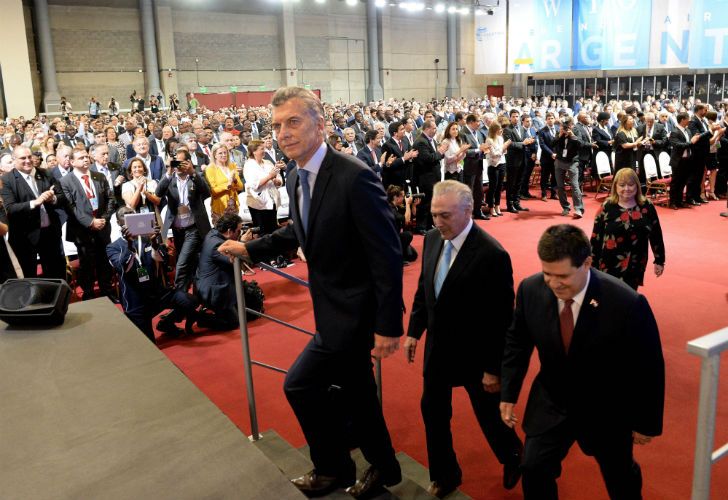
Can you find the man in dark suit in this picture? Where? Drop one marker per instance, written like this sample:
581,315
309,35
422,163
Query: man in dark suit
581,321
199,159
546,138
681,159
396,173
154,164
31,197
91,205
515,160
583,133
370,154
427,171
141,273
530,152
460,350
655,140
603,136
698,126
185,192
473,164
346,230
99,153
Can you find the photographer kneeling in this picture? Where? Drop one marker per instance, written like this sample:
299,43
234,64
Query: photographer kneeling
403,219
215,280
140,263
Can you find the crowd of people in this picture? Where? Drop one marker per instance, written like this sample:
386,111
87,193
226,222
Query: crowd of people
384,172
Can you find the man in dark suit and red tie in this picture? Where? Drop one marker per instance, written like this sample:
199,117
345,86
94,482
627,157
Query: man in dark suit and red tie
461,350
343,224
397,172
31,197
427,170
602,376
91,205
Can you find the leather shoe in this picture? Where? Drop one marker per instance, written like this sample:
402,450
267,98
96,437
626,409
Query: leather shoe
441,489
521,209
675,206
693,203
704,200
512,471
315,485
372,483
543,198
565,212
553,197
481,216
724,214
527,196
169,328
511,210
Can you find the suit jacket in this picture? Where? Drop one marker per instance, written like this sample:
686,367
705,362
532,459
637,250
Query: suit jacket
354,254
396,173
613,375
197,192
153,148
531,149
602,139
156,167
702,147
135,297
215,278
659,134
24,223
585,139
365,155
460,346
516,154
427,170
679,144
80,211
115,171
473,162
199,160
547,142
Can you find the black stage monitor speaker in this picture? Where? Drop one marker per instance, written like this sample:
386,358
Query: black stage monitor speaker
34,301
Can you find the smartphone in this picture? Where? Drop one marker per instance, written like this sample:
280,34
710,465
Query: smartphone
175,163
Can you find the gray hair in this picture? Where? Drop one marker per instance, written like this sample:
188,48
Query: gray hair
187,137
311,101
462,191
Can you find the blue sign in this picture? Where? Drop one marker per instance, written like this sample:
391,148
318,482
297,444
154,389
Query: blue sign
709,34
611,34
553,34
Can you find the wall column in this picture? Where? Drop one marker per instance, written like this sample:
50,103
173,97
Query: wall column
51,97
517,89
149,44
287,36
452,89
374,88
167,58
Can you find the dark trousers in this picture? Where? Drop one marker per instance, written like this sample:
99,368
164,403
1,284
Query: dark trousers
266,220
424,216
327,390
181,304
721,179
436,408
548,177
474,180
495,185
695,178
544,453
513,177
679,178
93,265
187,242
409,254
50,251
526,175
455,176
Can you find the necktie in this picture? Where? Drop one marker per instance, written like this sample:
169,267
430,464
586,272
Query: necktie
305,198
374,157
444,267
566,320
89,190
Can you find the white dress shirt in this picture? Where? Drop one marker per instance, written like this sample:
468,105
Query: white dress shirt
313,166
457,244
578,300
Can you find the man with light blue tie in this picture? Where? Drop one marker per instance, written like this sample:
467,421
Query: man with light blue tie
464,300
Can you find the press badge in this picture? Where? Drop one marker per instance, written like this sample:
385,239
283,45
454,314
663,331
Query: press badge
142,274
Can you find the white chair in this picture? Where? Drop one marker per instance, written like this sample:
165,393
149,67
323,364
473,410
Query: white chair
485,172
664,160
655,185
207,203
244,211
604,172
283,209
69,248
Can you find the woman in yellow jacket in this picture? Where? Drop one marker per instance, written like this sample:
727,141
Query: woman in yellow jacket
224,181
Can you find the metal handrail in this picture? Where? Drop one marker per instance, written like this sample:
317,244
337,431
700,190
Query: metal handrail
708,347
248,362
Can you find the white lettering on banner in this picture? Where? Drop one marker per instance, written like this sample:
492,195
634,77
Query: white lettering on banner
554,10
680,51
593,43
625,47
707,16
626,4
550,52
719,36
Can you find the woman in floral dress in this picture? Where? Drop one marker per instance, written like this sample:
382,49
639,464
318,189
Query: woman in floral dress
624,225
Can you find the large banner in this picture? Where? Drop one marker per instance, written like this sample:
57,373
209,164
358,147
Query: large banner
490,43
611,34
670,37
709,34
539,36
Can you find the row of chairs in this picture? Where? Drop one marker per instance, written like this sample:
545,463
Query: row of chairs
657,182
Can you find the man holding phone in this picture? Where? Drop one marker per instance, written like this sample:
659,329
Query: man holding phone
185,192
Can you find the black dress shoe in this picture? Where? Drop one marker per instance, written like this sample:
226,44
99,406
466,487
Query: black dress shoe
554,197
724,214
315,485
511,210
481,216
521,209
372,483
527,196
674,206
512,470
170,329
441,489
693,203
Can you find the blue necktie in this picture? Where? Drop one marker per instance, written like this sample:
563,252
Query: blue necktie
444,267
305,199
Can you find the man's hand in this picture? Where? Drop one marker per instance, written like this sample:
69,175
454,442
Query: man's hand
491,383
125,233
507,415
638,438
442,147
659,269
233,249
98,224
384,346
44,197
410,347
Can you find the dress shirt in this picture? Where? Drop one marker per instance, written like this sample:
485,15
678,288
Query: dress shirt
457,244
313,166
107,173
578,300
79,175
272,154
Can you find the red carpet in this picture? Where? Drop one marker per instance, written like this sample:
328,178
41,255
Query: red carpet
689,300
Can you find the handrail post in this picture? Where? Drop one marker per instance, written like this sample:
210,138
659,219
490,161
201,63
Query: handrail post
243,321
709,370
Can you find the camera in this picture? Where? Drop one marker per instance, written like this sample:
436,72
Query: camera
252,229
175,163
417,195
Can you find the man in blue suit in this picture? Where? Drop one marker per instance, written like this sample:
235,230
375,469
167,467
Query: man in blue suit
346,230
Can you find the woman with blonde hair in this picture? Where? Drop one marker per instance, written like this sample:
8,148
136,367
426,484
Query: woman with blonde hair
626,143
224,182
623,227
